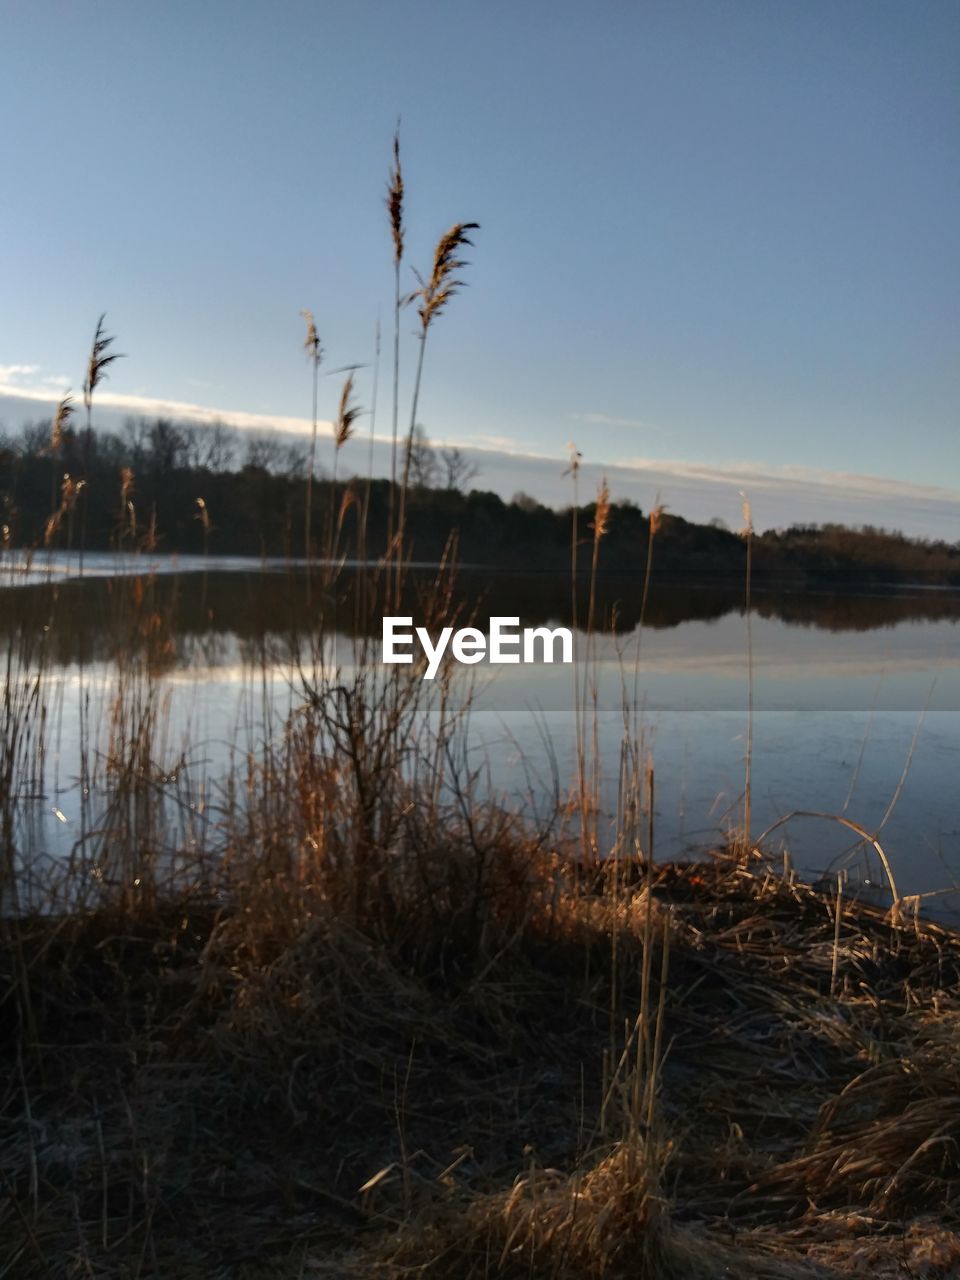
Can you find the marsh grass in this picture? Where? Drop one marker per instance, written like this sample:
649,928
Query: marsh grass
435,1020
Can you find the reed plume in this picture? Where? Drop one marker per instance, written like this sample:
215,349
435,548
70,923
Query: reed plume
435,293
70,491
347,415
601,516
61,420
395,201
99,361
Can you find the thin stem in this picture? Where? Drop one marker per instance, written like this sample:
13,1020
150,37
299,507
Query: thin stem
748,755
308,512
402,517
396,399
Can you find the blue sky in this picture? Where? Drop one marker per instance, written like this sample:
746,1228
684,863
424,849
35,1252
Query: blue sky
718,239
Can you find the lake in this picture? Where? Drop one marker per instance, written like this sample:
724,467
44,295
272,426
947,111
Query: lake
856,699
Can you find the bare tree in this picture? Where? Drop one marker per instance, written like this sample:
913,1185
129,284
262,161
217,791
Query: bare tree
207,446
167,445
421,460
271,452
525,502
457,468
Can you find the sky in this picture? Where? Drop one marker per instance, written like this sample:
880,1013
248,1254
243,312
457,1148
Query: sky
718,244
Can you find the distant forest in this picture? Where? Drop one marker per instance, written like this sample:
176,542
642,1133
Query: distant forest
194,489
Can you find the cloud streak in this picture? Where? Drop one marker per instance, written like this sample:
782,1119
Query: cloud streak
779,495
743,475
151,406
609,420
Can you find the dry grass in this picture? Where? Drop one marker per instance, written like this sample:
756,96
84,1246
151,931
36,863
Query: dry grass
271,1076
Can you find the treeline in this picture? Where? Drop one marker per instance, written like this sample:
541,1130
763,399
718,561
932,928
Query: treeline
195,489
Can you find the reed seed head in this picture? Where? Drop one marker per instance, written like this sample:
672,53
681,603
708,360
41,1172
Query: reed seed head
203,515
601,518
747,515
70,491
395,201
435,293
575,457
347,414
61,418
312,342
100,360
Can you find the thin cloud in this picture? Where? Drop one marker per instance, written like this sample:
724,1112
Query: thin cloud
610,420
498,444
12,372
152,406
771,478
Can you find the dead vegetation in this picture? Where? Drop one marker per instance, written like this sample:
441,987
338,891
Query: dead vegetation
243,1081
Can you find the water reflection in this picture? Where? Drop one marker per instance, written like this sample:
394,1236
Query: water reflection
849,689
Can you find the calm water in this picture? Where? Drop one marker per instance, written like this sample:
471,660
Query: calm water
857,700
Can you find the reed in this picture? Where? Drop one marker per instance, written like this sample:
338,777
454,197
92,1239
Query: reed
315,355
98,363
431,298
394,202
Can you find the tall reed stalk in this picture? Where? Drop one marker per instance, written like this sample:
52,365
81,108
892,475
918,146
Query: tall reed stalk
98,362
590,803
573,470
343,427
315,355
432,296
395,210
